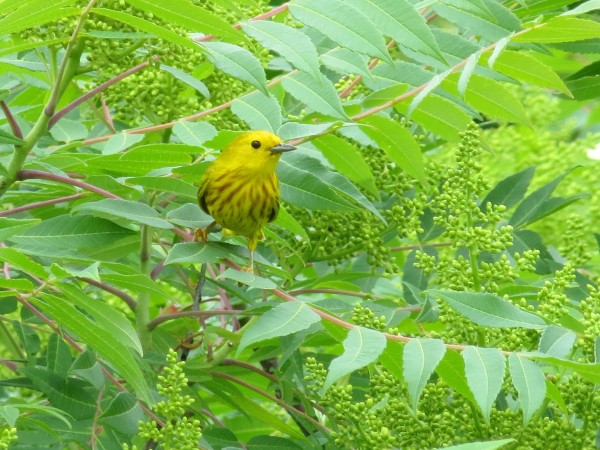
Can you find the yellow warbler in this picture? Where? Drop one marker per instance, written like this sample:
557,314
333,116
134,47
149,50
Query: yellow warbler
240,189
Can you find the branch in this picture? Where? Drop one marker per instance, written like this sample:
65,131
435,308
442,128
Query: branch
35,205
28,174
178,315
122,295
14,126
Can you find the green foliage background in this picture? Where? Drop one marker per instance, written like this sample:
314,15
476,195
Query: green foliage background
429,283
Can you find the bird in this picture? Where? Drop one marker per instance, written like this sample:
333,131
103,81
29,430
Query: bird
240,189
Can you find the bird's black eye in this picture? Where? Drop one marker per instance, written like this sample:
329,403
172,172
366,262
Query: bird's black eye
255,145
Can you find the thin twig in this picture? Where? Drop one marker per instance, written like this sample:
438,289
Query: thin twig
14,126
122,295
41,204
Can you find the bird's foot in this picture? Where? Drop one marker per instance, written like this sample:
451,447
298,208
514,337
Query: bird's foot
200,235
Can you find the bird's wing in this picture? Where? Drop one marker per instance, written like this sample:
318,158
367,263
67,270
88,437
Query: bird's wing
202,194
274,209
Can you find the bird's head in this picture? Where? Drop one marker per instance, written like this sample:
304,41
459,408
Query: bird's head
257,150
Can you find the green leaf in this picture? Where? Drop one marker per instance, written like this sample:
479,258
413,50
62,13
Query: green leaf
488,445
145,158
163,185
539,204
194,133
530,382
295,46
23,262
110,348
362,346
585,88
399,20
66,130
493,99
110,208
348,161
120,141
560,29
271,443
398,143
304,189
200,252
237,62
320,96
557,341
589,371
381,96
451,369
490,20
391,358
345,61
248,279
438,115
149,27
484,368
62,235
58,356
9,138
190,16
528,69
122,414
105,316
287,221
420,358
32,14
136,283
283,320
489,310
259,111
188,79
511,190
342,24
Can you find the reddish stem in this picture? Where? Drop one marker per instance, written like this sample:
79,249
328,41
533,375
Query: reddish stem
122,295
27,174
14,126
35,205
75,103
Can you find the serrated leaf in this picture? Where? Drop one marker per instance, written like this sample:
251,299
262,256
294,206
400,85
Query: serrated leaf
490,310
136,283
266,442
9,138
188,79
530,382
398,143
165,184
345,61
122,414
348,161
58,356
585,88
484,369
343,24
32,14
120,141
493,99
362,346
125,209
561,29
117,354
190,16
283,320
452,370
104,315
528,69
399,20
320,96
539,204
391,358
438,115
557,341
259,111
295,46
200,252
511,190
588,371
304,189
17,259
238,62
420,358
149,27
66,130
194,133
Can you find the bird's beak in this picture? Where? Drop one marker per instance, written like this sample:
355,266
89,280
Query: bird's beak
280,148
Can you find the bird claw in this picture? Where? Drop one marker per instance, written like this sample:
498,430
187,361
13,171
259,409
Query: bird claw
200,235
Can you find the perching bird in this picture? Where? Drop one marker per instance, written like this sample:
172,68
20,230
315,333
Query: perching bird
240,189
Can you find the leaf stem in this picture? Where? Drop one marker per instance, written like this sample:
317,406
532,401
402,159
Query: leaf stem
14,126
